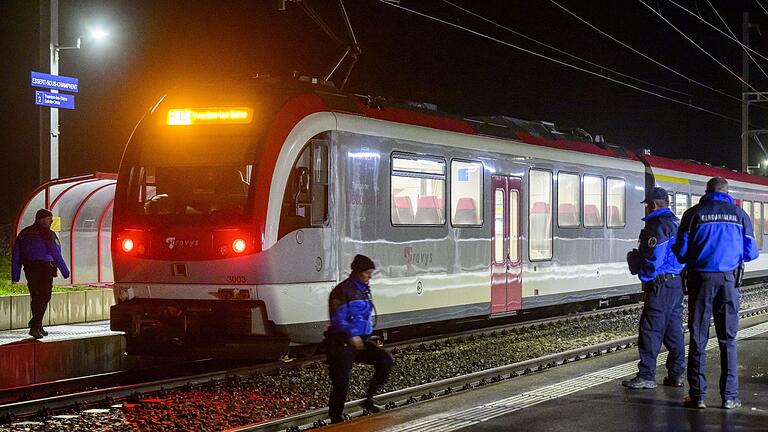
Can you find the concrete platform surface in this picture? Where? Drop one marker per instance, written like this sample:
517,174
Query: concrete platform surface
59,332
588,396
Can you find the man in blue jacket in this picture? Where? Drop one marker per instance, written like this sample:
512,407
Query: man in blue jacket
37,249
350,307
715,238
662,318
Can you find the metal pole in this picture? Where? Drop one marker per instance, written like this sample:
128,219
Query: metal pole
54,71
744,97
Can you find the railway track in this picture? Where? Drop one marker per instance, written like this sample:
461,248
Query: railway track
112,396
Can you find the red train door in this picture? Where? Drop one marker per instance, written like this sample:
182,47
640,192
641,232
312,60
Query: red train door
506,262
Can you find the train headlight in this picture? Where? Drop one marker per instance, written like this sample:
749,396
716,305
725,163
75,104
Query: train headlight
238,246
127,245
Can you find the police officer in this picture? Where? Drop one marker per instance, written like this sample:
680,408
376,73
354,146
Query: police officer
37,248
347,338
662,318
715,238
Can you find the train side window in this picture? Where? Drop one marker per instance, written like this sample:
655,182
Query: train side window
498,220
593,201
540,215
757,223
305,202
319,182
747,207
681,204
418,180
466,193
514,225
616,202
568,196
671,199
765,219
695,200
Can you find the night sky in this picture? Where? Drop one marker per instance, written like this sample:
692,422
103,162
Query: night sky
157,44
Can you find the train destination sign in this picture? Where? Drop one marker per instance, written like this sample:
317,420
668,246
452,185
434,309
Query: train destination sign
54,100
55,82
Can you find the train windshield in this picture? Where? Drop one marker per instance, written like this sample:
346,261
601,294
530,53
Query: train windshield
185,177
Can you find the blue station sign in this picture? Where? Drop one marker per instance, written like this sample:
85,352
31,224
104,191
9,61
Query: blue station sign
55,82
54,100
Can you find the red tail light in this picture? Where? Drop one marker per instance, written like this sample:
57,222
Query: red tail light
127,245
239,246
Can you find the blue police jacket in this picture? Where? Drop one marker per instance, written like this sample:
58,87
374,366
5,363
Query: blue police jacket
351,309
656,240
715,235
36,243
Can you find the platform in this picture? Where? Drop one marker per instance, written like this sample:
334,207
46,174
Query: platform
68,351
588,396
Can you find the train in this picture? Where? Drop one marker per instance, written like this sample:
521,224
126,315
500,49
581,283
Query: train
238,208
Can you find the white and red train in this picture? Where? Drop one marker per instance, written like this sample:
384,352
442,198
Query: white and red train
238,209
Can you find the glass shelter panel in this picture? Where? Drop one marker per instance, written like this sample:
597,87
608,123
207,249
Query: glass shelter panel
86,236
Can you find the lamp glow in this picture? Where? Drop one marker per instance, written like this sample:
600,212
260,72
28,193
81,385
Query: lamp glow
238,246
127,245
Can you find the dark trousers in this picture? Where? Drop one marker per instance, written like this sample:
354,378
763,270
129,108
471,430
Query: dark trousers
662,322
39,276
713,294
340,359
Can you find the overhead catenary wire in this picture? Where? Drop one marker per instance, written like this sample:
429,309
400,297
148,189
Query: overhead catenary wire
761,6
734,36
735,75
560,62
645,56
573,56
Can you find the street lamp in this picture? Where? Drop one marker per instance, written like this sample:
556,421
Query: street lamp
96,34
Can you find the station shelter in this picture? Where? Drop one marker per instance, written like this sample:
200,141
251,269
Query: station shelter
82,209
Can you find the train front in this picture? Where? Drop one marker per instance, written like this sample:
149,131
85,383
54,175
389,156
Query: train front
186,240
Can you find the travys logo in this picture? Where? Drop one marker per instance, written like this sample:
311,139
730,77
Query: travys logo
172,243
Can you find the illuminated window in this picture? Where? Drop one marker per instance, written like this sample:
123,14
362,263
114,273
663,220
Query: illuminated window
498,226
540,215
568,195
466,193
616,203
514,225
417,190
681,204
747,206
593,201
757,223
695,199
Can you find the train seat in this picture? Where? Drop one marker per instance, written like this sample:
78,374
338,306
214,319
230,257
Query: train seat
540,226
466,212
402,210
566,215
614,217
429,211
592,216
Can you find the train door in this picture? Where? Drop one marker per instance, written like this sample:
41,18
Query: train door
506,262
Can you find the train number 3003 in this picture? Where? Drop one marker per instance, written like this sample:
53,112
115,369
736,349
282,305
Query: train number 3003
236,279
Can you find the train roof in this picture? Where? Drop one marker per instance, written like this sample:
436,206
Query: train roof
498,126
